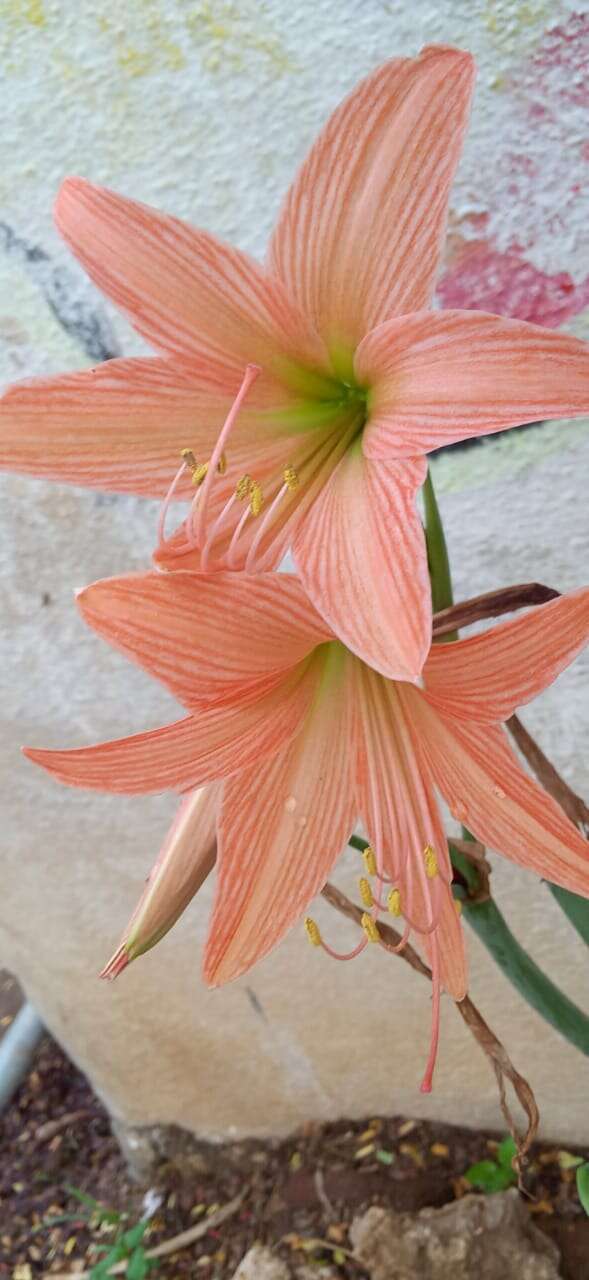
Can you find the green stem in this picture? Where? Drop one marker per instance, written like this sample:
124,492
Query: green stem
525,975
576,909
358,843
437,553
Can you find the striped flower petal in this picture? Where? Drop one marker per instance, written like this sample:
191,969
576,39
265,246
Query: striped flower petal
199,749
486,677
283,823
486,788
361,556
186,292
359,236
441,376
211,638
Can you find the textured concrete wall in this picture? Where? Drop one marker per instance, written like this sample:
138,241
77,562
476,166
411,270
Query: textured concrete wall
205,108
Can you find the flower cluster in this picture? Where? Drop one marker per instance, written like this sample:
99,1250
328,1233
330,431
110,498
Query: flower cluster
293,405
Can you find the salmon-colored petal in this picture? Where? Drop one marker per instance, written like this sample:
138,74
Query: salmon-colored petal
451,949
487,789
186,859
283,823
209,637
359,236
486,677
119,426
186,292
441,376
200,749
360,552
401,814
395,797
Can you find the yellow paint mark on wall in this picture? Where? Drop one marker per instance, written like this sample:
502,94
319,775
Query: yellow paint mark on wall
23,13
512,23
142,43
226,31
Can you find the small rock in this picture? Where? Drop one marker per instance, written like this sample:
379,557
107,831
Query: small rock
476,1238
316,1273
260,1264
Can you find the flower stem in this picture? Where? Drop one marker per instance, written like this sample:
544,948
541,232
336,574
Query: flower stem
524,974
576,909
437,553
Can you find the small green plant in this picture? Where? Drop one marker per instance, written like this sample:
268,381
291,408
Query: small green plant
127,1245
495,1175
583,1185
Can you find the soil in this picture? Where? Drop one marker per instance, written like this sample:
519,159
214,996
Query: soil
299,1192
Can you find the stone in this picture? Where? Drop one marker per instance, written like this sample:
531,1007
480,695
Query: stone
260,1263
316,1273
476,1238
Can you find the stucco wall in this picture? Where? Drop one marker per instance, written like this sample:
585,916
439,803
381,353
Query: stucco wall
205,109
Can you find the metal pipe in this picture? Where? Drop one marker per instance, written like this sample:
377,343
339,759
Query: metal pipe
17,1050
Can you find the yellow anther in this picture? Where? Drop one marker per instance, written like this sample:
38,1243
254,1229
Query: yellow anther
458,906
370,928
394,902
369,860
199,473
313,932
243,488
365,892
222,464
291,478
431,862
256,498
198,469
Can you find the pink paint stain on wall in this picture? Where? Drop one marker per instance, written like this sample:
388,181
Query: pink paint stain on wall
541,190
482,279
565,48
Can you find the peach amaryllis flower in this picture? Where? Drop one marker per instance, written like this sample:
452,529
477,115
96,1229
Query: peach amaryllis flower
303,739
357,380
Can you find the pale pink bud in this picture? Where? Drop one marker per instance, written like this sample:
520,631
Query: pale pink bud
186,859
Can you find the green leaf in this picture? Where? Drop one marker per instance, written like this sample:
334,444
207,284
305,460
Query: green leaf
82,1197
567,1160
583,1186
101,1269
576,909
505,1153
490,1177
99,1213
138,1265
385,1157
134,1235
525,975
57,1219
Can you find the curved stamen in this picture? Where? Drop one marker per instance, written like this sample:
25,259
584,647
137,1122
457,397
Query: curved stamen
161,524
215,528
291,481
344,955
314,935
198,522
430,888
233,549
